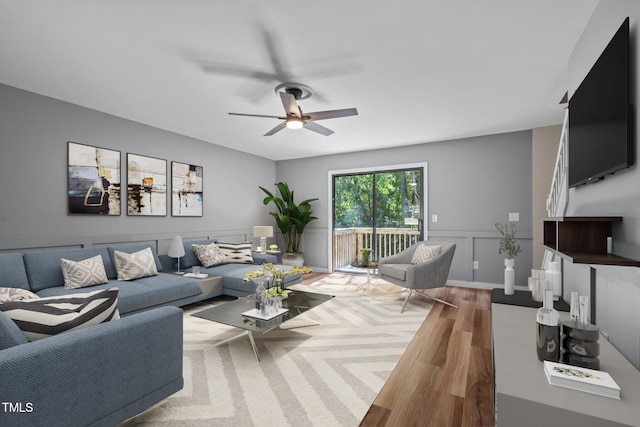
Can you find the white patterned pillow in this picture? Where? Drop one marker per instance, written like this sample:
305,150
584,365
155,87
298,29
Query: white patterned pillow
16,294
80,274
44,317
209,255
424,253
136,265
239,253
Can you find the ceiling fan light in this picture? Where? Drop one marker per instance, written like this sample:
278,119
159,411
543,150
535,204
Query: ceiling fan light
294,123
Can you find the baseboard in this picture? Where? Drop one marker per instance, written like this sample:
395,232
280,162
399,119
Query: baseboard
480,285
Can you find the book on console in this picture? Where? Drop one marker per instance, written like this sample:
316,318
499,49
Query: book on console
582,379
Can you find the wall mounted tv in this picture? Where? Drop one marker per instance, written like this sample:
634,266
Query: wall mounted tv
601,116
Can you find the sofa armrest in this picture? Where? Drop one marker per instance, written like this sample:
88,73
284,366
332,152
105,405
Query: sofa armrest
260,258
99,375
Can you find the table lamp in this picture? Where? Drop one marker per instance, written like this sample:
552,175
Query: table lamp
176,250
263,231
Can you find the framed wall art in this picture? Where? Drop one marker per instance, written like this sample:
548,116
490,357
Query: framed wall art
186,189
146,186
93,183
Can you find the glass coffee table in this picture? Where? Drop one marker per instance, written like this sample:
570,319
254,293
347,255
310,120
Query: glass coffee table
231,313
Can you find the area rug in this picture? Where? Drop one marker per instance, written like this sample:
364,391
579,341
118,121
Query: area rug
324,368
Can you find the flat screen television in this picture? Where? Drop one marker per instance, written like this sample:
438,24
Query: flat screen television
601,116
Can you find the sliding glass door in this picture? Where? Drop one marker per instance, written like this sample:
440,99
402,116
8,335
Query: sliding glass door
376,211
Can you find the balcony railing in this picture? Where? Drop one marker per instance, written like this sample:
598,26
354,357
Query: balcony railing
348,242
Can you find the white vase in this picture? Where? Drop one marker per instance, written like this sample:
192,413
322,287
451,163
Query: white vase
509,276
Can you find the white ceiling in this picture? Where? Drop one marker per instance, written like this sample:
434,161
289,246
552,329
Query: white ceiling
417,71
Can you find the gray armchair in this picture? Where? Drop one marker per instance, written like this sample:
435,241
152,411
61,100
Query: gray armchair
430,274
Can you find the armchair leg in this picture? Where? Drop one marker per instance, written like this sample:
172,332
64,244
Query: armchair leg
406,300
434,298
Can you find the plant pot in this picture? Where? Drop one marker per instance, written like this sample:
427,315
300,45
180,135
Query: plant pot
295,259
509,276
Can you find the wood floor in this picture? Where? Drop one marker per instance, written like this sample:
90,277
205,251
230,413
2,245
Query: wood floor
445,376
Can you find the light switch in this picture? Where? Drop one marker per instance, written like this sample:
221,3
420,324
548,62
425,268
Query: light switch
434,218
514,216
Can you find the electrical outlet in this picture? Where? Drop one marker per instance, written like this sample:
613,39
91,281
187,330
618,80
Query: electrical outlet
514,216
475,265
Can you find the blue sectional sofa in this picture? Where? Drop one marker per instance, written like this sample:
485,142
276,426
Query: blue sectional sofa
232,274
103,374
96,376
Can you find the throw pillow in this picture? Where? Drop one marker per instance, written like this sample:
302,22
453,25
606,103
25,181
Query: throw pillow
424,253
136,265
209,255
239,253
80,274
45,317
16,294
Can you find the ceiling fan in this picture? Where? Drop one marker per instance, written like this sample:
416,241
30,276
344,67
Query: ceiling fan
295,118
279,68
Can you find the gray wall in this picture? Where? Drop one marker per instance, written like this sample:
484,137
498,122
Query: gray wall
34,131
617,288
472,183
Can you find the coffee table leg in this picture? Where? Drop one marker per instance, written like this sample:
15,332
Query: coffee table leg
253,343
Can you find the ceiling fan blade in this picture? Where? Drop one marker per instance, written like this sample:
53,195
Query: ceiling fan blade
276,129
318,128
274,49
331,114
257,115
238,70
290,105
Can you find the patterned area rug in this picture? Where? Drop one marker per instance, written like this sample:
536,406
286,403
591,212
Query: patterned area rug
325,374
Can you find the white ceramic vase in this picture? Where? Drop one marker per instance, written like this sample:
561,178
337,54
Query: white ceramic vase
509,276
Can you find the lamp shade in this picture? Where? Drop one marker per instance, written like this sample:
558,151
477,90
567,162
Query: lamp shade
262,231
176,249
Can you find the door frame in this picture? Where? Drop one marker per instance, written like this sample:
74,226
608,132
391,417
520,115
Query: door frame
373,169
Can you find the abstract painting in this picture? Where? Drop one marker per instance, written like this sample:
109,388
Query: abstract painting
146,186
93,184
186,189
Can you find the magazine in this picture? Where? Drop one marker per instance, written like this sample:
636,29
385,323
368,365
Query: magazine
582,379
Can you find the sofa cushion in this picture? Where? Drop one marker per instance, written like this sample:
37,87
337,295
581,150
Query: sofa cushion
10,334
237,253
44,271
161,289
233,276
424,253
135,247
131,266
13,272
80,274
190,258
44,317
209,255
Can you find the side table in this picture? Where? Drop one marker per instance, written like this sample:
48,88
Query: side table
277,254
209,283
369,285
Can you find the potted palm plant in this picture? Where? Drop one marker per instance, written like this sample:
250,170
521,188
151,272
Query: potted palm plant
511,249
292,218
